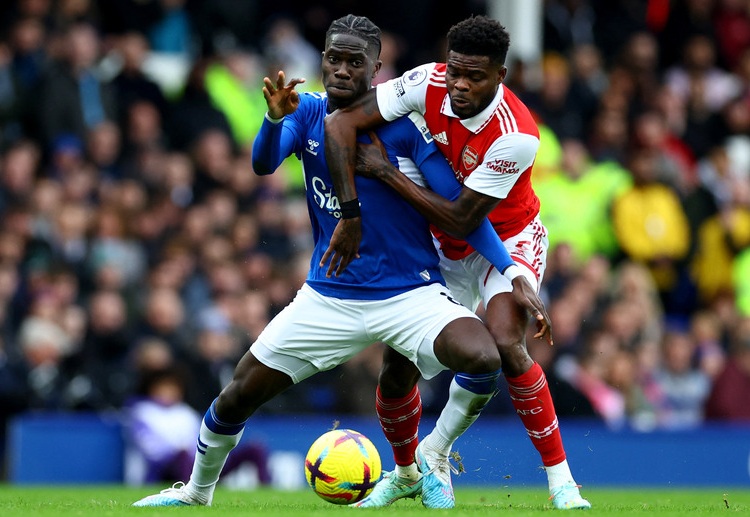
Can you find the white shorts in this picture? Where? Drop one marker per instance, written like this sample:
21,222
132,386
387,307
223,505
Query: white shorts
316,333
473,279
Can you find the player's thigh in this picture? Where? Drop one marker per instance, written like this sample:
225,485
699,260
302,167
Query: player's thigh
465,345
504,317
312,334
411,322
528,249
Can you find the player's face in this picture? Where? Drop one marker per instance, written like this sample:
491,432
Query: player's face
472,82
348,68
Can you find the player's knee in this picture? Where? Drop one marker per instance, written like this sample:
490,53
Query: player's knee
396,383
515,358
239,399
231,400
397,376
482,360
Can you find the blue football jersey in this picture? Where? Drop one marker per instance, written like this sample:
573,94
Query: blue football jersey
396,252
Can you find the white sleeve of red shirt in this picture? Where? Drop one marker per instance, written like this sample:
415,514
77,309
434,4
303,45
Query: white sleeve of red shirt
401,95
506,159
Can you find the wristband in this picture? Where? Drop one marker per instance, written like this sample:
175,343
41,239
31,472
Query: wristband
350,209
273,120
511,272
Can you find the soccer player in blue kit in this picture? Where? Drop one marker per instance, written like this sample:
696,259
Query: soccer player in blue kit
392,293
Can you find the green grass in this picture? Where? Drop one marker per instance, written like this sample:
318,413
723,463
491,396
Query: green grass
114,501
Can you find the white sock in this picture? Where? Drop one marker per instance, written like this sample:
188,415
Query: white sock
558,475
409,472
461,410
212,453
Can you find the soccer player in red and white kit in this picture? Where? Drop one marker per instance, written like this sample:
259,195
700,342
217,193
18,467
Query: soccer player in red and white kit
490,138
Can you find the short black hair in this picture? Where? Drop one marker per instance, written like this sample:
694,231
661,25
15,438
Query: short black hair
480,36
359,26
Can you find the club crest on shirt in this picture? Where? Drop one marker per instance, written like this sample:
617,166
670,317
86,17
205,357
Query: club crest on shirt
469,158
414,77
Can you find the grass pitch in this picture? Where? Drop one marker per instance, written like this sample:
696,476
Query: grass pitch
114,501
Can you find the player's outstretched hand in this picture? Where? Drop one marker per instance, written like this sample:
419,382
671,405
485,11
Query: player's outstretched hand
526,296
282,99
344,246
372,159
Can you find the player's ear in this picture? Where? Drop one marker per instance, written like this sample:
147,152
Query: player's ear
501,73
376,68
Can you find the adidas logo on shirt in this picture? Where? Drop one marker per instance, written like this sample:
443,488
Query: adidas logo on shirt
441,137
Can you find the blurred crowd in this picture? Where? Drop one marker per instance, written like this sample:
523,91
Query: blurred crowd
135,237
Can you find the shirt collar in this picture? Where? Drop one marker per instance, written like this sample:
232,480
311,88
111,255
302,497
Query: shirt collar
478,121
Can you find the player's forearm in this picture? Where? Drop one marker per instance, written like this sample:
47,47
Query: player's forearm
341,129
341,156
434,207
267,147
486,241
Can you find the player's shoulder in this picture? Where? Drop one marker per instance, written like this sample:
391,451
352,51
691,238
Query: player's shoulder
419,76
515,116
406,127
312,106
313,100
313,96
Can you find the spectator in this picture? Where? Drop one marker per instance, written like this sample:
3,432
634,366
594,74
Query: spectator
720,239
576,199
162,316
607,138
568,24
232,83
589,376
161,431
698,74
727,400
72,98
675,160
194,112
285,48
114,259
732,30
103,149
639,73
19,166
558,103
213,155
44,346
685,19
682,388
650,223
131,83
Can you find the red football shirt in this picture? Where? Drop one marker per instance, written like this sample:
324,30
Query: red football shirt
491,153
